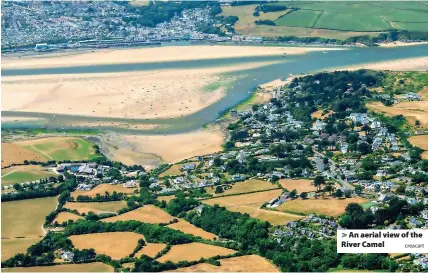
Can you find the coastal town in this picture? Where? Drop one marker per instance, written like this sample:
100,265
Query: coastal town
341,150
213,136
47,26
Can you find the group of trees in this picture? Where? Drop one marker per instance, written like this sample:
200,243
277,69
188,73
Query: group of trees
152,233
253,165
339,91
291,253
356,217
181,204
31,193
107,197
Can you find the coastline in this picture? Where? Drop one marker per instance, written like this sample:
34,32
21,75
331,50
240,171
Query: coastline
155,54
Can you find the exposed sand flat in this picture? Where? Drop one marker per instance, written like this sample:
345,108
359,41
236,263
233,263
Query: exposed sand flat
17,119
409,64
152,150
272,85
145,94
399,43
154,54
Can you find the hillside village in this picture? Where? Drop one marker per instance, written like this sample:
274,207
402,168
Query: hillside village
61,25
309,130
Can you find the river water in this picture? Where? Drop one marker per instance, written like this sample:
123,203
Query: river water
237,92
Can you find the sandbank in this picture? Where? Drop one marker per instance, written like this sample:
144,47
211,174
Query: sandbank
400,43
152,150
144,95
153,54
408,64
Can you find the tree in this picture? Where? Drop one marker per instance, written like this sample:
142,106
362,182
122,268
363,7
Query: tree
348,194
319,182
330,187
304,195
338,193
364,148
356,218
17,187
293,194
219,189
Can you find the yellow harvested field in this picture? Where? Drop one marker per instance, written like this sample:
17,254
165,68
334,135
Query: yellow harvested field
91,267
65,216
166,198
102,189
187,227
421,142
147,214
12,153
174,170
330,207
412,110
117,245
193,252
251,203
11,247
245,186
319,114
96,207
300,185
25,218
151,250
248,263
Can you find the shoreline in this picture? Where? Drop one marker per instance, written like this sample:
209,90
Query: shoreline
156,54
78,51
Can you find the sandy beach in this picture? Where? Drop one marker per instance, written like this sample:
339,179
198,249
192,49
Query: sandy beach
399,43
154,54
144,95
410,64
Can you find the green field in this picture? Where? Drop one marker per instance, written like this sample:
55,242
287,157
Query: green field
330,19
20,174
352,22
300,18
63,149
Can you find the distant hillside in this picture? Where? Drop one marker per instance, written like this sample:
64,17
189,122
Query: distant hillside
334,20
